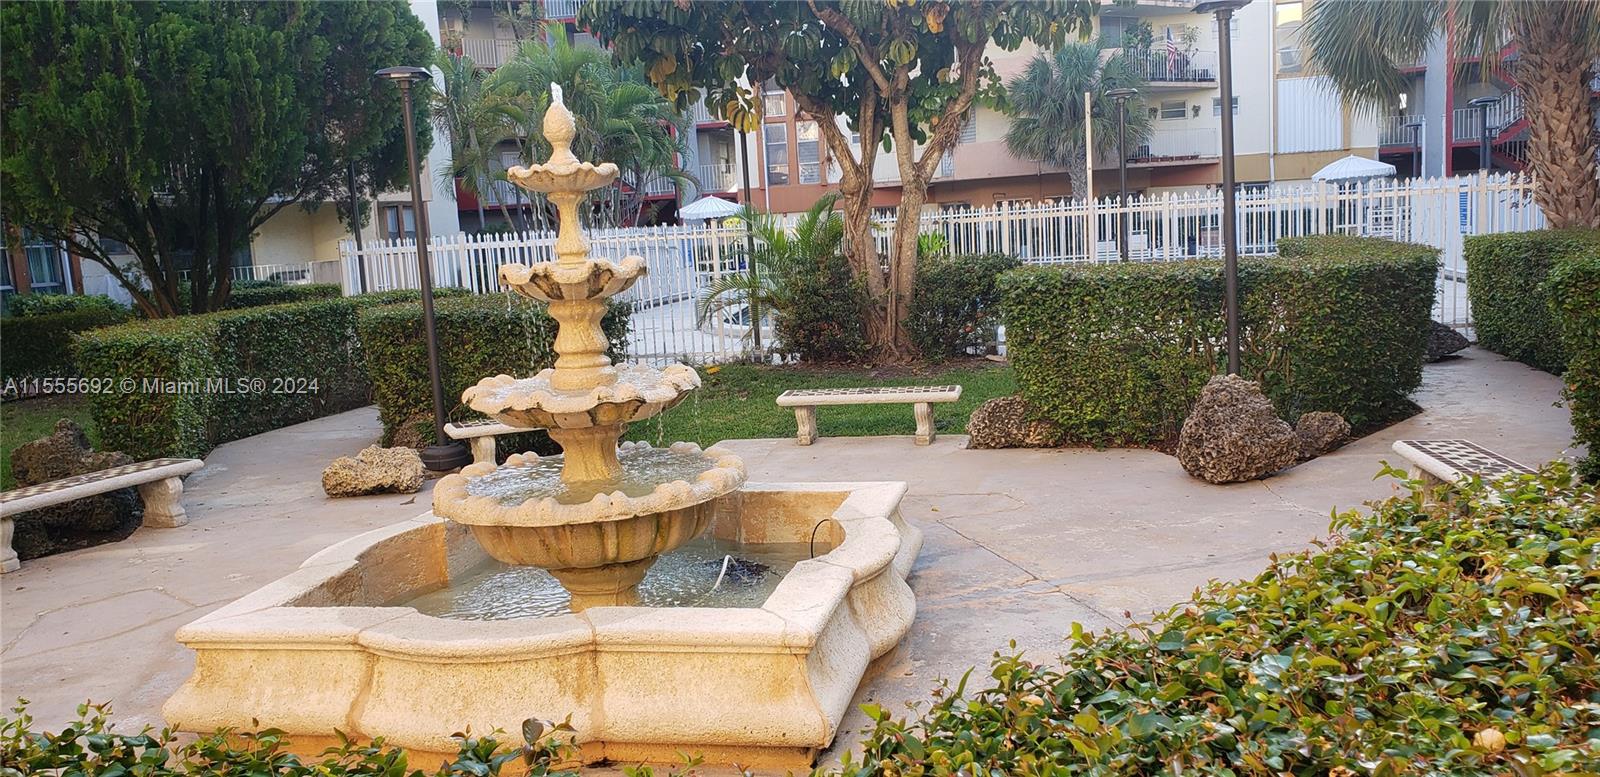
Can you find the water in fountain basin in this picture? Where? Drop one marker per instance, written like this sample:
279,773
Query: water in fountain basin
642,470
683,578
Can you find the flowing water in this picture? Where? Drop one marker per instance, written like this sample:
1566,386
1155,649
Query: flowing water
642,470
686,577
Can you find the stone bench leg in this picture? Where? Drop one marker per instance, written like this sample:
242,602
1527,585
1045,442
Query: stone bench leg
924,423
805,419
483,449
8,557
163,503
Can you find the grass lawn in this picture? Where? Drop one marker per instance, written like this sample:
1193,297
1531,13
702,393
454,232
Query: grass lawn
29,419
738,402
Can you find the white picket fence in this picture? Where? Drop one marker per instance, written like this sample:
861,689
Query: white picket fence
684,260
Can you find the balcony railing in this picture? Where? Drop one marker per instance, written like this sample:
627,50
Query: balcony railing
488,52
1176,144
561,9
1466,124
1396,130
702,115
1157,66
718,178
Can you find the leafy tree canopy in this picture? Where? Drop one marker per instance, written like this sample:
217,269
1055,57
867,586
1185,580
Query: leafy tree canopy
179,128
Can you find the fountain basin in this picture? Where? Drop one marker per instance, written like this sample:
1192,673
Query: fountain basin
627,393
765,686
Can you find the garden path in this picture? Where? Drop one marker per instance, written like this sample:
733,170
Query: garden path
1019,543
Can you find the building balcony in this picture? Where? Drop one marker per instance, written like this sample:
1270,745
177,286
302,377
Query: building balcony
1396,129
561,9
702,115
488,52
1466,124
1187,70
718,178
1176,147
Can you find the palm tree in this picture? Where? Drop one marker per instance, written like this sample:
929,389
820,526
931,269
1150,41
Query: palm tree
474,123
1359,43
780,255
1045,102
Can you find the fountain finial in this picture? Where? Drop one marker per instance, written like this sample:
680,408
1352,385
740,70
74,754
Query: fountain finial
559,128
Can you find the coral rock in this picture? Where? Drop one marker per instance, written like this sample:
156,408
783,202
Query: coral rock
374,470
1443,341
1321,432
1234,434
1011,422
81,523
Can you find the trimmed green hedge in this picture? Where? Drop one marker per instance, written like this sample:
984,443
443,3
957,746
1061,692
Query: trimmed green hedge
1117,353
40,346
1512,311
956,303
821,313
1436,638
30,305
479,337
278,294
184,385
1574,287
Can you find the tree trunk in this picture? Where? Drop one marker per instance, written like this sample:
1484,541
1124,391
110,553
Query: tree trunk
1553,75
896,345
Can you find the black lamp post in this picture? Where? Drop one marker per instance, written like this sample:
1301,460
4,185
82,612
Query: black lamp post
1223,9
444,453
1121,95
1416,148
1482,104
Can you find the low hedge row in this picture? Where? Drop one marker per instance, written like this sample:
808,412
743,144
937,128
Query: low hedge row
40,345
1575,298
1117,353
1512,308
1434,638
479,336
277,294
956,303
30,305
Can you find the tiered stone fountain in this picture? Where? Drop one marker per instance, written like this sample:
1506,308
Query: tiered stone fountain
356,639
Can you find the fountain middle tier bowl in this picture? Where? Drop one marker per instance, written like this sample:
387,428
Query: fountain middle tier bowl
634,392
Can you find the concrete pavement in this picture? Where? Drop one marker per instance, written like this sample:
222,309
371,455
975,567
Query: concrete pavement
1019,543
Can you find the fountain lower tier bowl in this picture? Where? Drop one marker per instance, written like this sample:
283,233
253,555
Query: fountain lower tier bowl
628,393
327,647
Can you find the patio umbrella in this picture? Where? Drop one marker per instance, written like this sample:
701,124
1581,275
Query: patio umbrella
1353,168
709,207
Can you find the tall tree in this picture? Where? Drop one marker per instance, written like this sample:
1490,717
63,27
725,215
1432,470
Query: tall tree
179,128
1360,44
474,121
900,73
1045,102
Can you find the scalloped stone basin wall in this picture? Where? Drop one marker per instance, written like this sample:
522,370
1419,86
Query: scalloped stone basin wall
766,687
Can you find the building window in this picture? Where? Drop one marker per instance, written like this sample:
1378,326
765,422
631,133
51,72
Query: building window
807,151
772,100
1173,109
969,127
1216,106
777,147
1287,17
45,274
399,221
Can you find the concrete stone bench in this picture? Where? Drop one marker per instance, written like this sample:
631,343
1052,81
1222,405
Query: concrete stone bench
480,435
160,484
1438,462
805,402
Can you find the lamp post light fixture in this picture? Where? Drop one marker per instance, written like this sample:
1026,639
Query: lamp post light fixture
1223,10
1484,133
1121,95
1416,148
444,454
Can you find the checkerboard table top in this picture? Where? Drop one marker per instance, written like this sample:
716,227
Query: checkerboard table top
132,474
877,394
1450,459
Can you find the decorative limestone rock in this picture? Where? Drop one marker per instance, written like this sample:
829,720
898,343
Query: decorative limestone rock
1321,432
1233,434
1443,341
374,470
80,523
1011,422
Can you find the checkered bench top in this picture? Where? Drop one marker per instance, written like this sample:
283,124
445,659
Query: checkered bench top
90,478
1450,459
880,394
482,427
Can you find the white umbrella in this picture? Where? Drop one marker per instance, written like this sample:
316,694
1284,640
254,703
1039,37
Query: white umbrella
709,207
1353,168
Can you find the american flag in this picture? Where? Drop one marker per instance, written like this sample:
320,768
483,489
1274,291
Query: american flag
1172,54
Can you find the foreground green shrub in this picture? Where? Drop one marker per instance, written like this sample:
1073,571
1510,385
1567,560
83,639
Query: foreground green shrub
1574,287
1117,353
479,337
1431,639
30,305
956,303
90,746
270,293
394,296
39,345
1511,305
821,315
181,386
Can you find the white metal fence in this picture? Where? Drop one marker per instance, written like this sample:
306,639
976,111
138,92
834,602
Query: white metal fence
683,261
